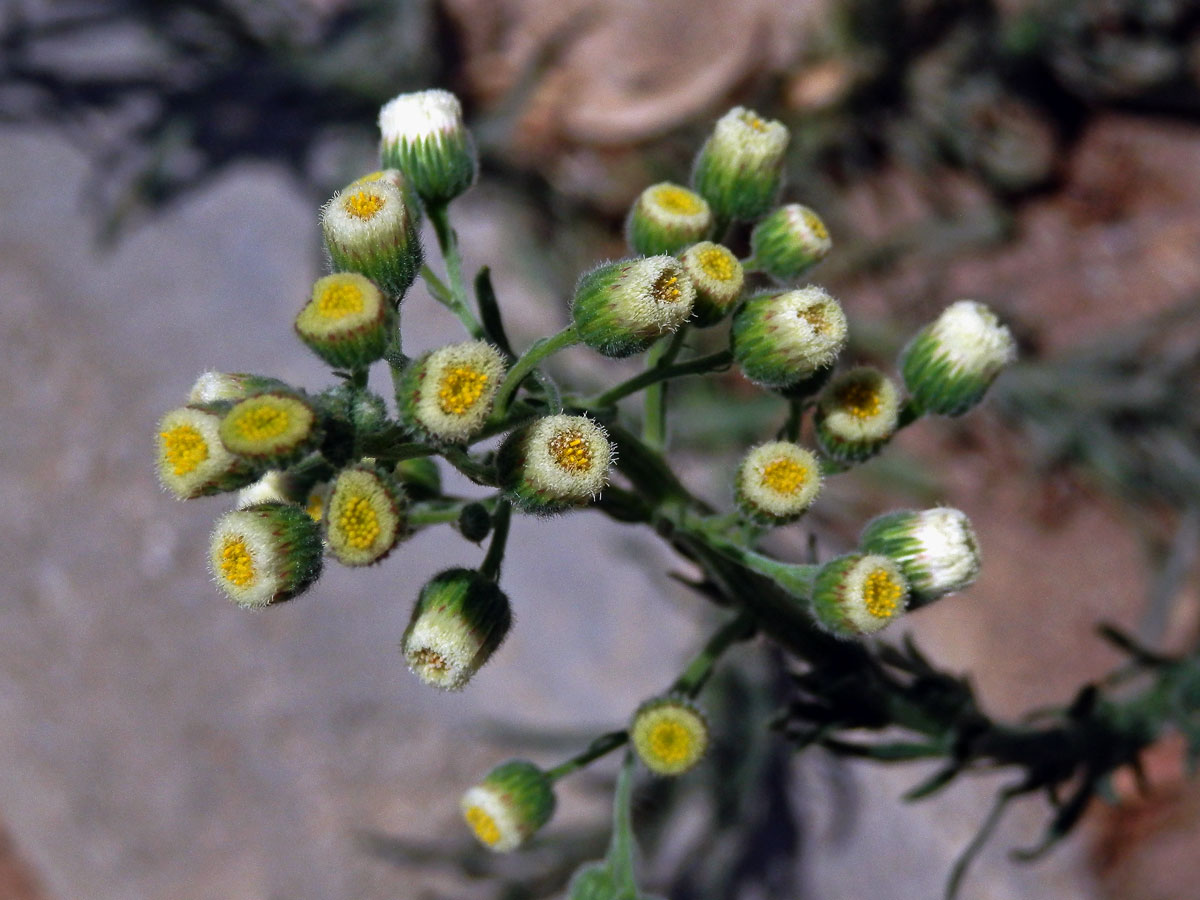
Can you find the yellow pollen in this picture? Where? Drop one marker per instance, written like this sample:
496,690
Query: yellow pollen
859,399
754,121
483,825
666,289
815,225
570,451
677,200
716,263
315,508
670,742
784,476
358,523
185,448
340,300
363,205
236,563
430,659
261,423
881,594
814,316
460,389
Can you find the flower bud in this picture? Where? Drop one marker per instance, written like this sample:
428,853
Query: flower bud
509,805
621,308
424,137
858,594
669,735
555,463
265,554
447,394
782,339
789,242
275,486
474,522
370,230
857,414
936,549
275,428
739,170
950,363
717,276
666,218
777,482
396,178
459,620
192,461
216,387
363,515
347,323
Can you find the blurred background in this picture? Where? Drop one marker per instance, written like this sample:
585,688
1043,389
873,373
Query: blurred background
160,170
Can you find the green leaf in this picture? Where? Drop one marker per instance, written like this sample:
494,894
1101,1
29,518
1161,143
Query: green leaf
489,311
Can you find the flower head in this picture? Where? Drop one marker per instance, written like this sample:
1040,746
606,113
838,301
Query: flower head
347,322
192,461
949,365
718,278
935,548
218,387
782,339
459,620
424,137
777,482
555,463
621,308
265,554
789,242
858,594
512,802
666,218
363,515
447,394
369,229
669,735
857,414
739,170
275,427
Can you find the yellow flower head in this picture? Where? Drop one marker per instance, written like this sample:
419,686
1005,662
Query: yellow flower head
447,394
192,461
364,515
265,554
777,482
669,735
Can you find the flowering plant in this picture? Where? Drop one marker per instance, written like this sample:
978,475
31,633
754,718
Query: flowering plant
344,474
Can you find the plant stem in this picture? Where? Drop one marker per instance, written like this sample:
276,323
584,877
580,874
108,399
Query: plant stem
654,424
490,568
602,746
437,513
527,363
469,466
456,301
699,669
700,365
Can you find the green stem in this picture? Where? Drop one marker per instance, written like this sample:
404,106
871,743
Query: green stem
654,421
527,363
437,512
602,746
456,302
469,466
700,365
699,669
490,568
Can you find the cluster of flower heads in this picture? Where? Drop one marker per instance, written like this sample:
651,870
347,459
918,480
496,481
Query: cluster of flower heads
315,478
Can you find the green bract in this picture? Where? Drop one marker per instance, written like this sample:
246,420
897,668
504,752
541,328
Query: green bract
265,554
781,339
369,229
739,170
424,137
789,242
512,802
621,308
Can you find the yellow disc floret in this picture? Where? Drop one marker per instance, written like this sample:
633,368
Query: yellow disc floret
882,594
777,482
678,200
570,451
483,825
237,565
669,735
271,425
185,448
784,476
364,515
460,388
717,263
860,399
340,299
364,204
667,288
